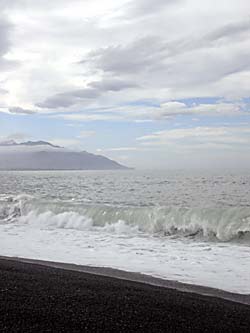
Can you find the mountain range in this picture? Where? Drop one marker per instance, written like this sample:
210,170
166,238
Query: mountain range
42,155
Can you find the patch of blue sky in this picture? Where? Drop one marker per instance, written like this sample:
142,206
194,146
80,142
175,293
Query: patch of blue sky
200,100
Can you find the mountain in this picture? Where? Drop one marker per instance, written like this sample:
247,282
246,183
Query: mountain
42,155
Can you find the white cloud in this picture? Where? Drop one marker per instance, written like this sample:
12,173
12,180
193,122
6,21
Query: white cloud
87,117
148,113
131,50
86,134
137,61
198,136
66,143
177,108
118,149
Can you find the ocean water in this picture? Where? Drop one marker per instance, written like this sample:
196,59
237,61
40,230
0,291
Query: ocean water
192,227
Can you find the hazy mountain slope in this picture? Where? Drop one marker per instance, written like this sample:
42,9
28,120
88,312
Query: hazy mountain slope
44,156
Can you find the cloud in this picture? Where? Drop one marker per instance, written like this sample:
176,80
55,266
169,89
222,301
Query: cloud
82,117
16,110
198,137
128,61
5,44
19,110
112,84
38,4
18,136
230,30
123,59
94,90
148,113
69,98
178,108
86,134
66,143
177,67
3,91
118,149
4,40
141,8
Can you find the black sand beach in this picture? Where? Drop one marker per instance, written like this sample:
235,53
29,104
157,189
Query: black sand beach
36,297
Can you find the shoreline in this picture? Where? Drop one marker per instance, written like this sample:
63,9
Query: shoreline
139,278
38,297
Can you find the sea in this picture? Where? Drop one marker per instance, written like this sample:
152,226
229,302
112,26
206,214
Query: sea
186,226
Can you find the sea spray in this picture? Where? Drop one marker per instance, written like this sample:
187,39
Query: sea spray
215,223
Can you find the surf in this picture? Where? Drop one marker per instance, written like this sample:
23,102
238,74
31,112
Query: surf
222,224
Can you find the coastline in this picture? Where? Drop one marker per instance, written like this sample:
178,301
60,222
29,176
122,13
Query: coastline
140,278
47,296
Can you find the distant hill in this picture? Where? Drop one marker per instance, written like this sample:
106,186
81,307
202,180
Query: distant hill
42,155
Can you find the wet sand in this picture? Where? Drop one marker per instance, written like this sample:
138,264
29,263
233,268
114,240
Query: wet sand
38,296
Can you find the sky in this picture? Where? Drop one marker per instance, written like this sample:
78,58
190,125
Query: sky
151,84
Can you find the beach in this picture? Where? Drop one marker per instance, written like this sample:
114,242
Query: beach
37,297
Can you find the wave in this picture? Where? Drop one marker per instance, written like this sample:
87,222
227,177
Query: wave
216,223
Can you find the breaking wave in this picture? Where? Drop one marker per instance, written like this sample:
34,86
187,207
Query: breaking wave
217,224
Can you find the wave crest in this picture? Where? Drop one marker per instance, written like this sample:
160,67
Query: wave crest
221,224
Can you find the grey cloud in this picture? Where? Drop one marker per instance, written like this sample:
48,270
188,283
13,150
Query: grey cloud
159,63
230,30
5,28
3,91
19,110
57,101
4,34
94,90
142,8
69,98
126,59
87,93
112,85
176,62
10,4
5,42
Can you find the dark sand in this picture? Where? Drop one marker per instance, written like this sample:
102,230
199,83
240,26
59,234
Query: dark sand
37,297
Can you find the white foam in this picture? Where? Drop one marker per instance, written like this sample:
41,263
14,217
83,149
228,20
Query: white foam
220,224
133,239
223,266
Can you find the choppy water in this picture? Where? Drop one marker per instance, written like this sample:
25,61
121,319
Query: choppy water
191,227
